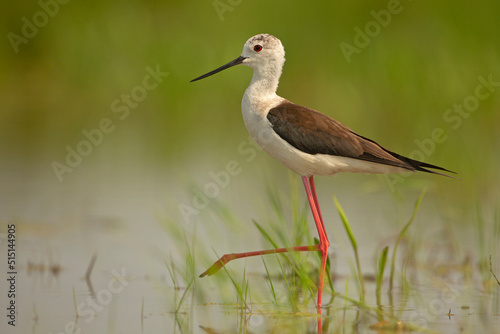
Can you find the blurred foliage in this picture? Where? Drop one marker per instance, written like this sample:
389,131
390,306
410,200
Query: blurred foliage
396,90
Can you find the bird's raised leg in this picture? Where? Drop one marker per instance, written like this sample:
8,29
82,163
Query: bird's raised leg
321,247
233,256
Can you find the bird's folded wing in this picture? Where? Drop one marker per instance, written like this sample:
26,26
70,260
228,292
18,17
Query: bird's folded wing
314,133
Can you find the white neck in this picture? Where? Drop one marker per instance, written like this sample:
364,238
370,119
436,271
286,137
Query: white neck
264,82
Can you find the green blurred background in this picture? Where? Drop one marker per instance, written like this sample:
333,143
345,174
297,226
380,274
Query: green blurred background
396,90
123,200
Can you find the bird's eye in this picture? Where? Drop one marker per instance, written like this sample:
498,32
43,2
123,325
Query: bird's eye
257,48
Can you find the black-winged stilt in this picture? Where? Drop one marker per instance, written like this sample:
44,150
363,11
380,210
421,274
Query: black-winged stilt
304,140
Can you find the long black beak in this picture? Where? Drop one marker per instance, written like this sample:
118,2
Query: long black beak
232,63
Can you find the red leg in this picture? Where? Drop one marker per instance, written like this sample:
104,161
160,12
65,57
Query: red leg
323,240
233,256
313,190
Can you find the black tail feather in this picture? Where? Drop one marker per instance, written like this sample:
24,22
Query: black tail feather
422,166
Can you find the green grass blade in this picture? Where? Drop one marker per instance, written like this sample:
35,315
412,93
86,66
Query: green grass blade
270,281
171,271
184,294
239,289
354,244
380,273
401,235
265,234
347,226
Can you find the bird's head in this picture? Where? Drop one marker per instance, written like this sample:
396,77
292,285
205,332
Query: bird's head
261,52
